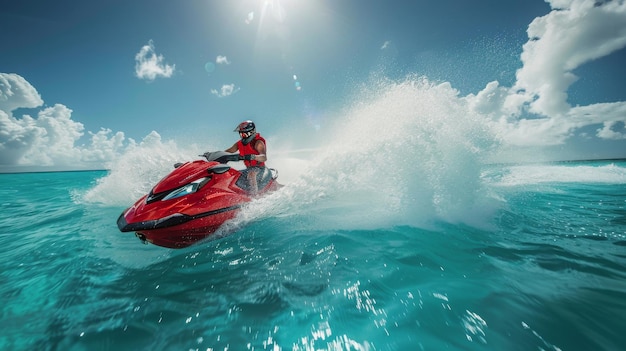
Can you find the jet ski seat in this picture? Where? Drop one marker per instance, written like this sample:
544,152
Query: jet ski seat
263,177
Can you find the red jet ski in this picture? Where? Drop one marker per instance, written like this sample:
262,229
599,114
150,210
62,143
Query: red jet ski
193,201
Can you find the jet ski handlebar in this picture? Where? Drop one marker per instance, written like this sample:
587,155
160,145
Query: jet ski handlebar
224,157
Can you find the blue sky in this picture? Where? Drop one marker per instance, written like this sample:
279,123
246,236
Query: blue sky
81,81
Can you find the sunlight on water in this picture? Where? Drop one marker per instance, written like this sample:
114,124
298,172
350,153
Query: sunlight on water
535,174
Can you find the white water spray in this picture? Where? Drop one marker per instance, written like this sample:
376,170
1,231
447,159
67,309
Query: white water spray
405,152
137,171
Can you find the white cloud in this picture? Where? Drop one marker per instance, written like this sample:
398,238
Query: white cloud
51,138
149,65
16,92
16,137
562,41
56,144
490,100
226,90
104,147
535,111
535,132
613,118
222,60
612,130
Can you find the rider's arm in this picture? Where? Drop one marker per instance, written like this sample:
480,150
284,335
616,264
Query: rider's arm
232,148
260,148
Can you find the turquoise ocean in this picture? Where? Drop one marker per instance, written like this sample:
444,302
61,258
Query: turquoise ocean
374,246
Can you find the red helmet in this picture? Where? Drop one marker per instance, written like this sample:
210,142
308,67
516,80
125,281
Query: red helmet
246,130
245,126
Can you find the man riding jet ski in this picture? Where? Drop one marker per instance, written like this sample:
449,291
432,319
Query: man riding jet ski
196,198
252,148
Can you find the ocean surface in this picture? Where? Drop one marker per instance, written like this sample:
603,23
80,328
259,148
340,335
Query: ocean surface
402,230
535,261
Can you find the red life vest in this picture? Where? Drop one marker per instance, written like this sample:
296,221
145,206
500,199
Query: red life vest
248,149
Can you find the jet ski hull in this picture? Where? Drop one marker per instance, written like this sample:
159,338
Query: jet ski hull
179,231
191,203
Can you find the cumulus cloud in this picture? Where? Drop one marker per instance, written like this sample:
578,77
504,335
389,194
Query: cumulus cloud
51,138
226,90
149,65
16,92
222,60
613,130
535,111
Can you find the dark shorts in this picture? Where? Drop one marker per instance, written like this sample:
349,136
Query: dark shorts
263,177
